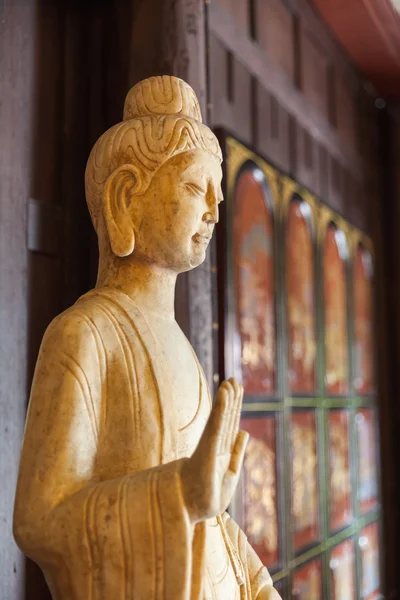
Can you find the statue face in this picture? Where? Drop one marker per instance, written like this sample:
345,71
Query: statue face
174,220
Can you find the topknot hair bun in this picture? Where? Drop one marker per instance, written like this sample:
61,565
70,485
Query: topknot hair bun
163,95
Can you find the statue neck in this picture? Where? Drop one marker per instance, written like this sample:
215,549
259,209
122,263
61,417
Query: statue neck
149,286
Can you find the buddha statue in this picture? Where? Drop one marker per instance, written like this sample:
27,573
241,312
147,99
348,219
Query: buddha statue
127,468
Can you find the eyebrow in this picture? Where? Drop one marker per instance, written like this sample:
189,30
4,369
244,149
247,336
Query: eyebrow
190,171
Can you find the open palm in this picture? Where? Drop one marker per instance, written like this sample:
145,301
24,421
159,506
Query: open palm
210,476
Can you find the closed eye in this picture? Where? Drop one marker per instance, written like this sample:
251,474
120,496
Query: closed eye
196,188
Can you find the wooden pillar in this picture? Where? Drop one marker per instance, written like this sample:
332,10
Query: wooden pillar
169,38
17,56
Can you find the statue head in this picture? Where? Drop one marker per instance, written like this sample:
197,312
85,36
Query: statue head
153,182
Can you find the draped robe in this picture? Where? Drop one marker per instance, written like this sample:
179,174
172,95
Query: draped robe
99,502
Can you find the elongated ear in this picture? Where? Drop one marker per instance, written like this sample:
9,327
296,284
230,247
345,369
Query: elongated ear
117,195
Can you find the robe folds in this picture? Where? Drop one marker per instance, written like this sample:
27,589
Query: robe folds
99,502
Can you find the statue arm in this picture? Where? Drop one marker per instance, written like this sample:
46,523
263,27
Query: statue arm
80,530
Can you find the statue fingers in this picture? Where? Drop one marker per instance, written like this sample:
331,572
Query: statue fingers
219,415
238,451
232,473
236,412
225,441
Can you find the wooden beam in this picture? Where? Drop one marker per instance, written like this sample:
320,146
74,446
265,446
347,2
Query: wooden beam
259,64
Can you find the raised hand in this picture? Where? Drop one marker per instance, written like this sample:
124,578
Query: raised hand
210,476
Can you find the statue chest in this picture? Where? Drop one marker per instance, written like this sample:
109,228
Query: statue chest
189,392
154,398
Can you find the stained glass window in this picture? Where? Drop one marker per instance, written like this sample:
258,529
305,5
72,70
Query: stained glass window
342,565
297,285
340,501
307,582
335,311
300,299
260,487
254,280
363,322
367,459
370,562
303,451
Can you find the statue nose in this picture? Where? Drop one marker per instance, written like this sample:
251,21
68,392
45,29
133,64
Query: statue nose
211,217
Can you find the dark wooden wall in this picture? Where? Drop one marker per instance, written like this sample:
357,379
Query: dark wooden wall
279,82
44,227
15,165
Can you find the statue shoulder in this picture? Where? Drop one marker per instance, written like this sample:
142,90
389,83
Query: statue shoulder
90,325
74,329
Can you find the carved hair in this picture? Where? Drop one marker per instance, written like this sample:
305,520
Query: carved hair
162,118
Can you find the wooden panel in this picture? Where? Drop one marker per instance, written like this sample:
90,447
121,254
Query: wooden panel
44,231
346,114
274,32
230,92
311,23
272,132
314,69
47,102
259,64
306,161
322,174
240,11
335,197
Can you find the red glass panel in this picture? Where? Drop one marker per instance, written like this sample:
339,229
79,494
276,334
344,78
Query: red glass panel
307,582
339,469
363,325
335,294
342,569
367,457
304,478
370,563
300,299
259,488
254,276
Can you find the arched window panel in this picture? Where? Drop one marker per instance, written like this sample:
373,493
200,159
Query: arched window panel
370,563
300,298
367,459
335,256
307,581
259,489
363,322
342,567
253,236
340,497
304,485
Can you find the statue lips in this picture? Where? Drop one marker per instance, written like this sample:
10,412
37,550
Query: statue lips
198,238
